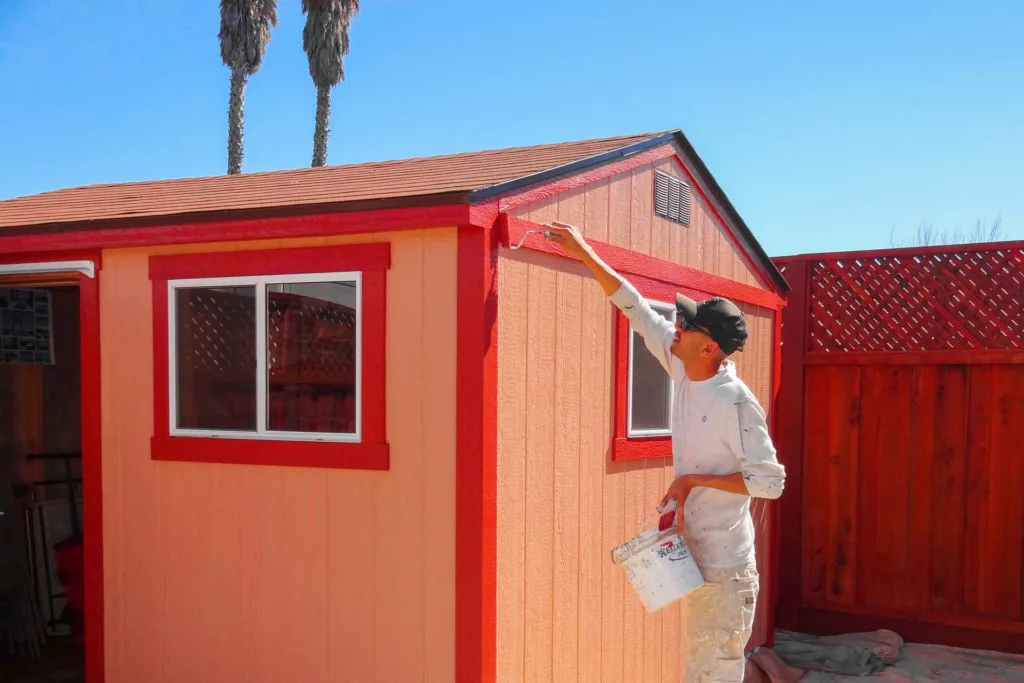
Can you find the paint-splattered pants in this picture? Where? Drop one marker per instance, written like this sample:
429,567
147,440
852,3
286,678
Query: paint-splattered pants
717,620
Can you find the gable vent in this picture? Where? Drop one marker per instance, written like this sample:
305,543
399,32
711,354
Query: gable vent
671,198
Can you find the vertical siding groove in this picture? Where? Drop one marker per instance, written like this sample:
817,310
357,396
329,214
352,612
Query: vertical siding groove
423,556
580,465
554,496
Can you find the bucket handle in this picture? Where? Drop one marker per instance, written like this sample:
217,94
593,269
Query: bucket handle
658,511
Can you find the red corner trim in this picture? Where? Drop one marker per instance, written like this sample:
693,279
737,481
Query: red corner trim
282,227
372,260
565,184
476,457
648,267
484,214
92,473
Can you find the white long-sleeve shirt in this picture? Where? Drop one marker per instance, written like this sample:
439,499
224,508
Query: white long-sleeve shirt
718,427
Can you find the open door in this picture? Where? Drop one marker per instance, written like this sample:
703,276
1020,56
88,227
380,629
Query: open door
51,546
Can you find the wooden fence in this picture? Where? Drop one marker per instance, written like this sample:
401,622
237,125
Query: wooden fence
901,424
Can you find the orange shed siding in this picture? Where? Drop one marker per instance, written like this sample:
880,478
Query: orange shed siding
565,612
226,572
619,211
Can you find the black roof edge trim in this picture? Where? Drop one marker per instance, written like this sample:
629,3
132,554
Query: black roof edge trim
568,169
746,234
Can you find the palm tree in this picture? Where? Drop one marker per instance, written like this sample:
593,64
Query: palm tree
325,40
244,34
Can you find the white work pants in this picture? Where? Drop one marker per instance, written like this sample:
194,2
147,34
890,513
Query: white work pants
717,620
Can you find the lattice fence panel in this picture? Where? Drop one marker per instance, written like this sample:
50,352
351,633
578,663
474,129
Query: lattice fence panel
907,302
308,339
217,330
311,338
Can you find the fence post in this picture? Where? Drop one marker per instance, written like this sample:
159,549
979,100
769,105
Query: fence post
790,424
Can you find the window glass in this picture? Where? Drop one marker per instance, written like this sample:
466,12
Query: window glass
312,357
215,363
650,387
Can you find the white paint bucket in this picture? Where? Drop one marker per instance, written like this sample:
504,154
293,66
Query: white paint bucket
659,566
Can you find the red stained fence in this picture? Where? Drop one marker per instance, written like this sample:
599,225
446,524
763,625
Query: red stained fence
901,424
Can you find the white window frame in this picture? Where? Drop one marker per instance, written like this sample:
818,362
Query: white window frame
260,282
648,433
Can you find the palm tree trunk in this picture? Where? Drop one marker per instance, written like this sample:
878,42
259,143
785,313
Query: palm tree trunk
323,115
236,121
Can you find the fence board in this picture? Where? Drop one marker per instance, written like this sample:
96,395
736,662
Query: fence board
841,558
815,523
947,588
924,408
978,517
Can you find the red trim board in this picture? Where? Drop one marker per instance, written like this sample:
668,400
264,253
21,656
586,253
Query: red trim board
372,453
476,457
370,257
626,261
92,473
902,251
278,227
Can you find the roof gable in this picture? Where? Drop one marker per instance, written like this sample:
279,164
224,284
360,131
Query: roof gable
685,157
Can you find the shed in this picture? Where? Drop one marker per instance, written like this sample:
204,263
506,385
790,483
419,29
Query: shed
335,429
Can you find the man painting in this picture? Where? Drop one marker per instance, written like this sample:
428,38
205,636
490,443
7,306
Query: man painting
722,456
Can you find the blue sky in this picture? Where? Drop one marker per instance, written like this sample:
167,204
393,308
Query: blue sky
828,124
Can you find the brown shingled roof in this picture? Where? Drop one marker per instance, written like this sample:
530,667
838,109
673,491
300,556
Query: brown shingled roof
329,185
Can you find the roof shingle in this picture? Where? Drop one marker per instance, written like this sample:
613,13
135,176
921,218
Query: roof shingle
300,187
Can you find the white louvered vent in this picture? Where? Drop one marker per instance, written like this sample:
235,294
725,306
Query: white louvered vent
671,198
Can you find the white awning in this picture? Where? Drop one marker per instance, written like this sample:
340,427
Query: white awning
87,268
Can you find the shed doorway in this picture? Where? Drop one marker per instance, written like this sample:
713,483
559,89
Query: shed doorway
42,506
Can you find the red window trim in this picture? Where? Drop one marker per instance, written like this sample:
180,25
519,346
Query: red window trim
625,447
372,453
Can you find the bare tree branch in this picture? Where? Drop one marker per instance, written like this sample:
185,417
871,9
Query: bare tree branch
928,235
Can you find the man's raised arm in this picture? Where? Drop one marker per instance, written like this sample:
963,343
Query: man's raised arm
657,332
